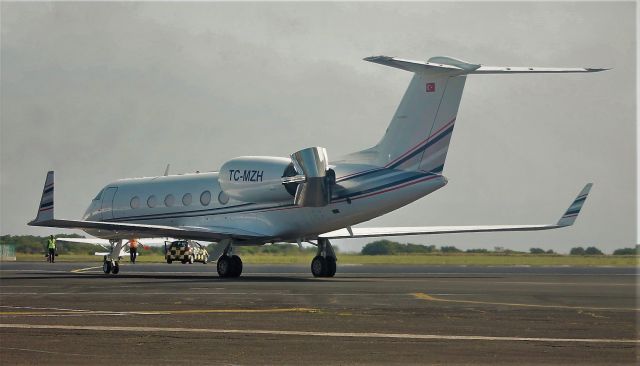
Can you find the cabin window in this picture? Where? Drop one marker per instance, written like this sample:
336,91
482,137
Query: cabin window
205,198
151,201
223,198
186,199
169,200
135,202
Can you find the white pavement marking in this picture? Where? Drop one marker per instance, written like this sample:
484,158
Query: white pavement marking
319,334
41,351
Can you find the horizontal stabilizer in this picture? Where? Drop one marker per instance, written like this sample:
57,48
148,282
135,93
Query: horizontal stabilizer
566,220
532,70
443,64
419,66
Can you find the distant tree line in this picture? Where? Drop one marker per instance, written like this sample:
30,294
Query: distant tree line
583,251
541,251
388,247
30,244
627,251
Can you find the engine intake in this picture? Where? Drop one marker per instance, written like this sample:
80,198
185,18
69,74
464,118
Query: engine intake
315,190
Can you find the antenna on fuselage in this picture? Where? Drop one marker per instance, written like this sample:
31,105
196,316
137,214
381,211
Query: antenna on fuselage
166,171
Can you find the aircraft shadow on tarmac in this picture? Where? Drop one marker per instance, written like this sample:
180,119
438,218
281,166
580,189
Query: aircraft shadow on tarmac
246,279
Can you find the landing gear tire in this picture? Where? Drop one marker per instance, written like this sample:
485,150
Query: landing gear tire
106,267
115,269
319,266
224,266
237,266
229,266
331,267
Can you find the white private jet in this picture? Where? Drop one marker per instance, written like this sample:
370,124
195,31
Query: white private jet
255,200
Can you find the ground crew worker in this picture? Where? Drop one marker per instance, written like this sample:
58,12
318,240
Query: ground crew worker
51,245
133,250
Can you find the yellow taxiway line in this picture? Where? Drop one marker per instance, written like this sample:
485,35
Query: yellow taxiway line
80,270
423,296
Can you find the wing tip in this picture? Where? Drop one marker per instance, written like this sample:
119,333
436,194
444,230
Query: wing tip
597,69
571,214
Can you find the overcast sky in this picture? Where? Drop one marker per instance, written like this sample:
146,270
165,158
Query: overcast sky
99,92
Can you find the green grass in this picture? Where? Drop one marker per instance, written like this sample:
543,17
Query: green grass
494,259
490,259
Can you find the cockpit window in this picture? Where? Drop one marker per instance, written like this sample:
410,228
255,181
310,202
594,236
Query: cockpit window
99,195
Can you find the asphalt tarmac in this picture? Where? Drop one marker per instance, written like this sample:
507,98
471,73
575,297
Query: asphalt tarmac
160,314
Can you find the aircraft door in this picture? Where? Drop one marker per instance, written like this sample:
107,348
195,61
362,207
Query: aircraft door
106,210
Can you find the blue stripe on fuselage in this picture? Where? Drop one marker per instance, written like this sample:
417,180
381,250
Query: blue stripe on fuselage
423,148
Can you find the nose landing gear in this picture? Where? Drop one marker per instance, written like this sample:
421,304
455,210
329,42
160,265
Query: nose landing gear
109,264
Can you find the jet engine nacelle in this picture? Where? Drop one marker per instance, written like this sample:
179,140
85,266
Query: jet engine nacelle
305,177
256,178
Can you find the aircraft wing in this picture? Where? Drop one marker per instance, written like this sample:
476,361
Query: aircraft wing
151,242
567,219
127,230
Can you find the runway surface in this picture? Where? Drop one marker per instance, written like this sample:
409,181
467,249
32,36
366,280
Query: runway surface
71,313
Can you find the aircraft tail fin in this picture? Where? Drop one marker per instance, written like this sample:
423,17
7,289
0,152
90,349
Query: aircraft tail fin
419,134
45,210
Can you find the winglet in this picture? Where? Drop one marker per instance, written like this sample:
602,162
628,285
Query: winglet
45,210
572,212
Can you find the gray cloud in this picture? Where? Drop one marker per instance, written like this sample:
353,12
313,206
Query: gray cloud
102,91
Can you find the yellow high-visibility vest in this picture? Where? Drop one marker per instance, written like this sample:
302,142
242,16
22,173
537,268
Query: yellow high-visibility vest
51,244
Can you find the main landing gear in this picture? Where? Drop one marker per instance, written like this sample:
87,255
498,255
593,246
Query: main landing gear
111,262
324,263
229,265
